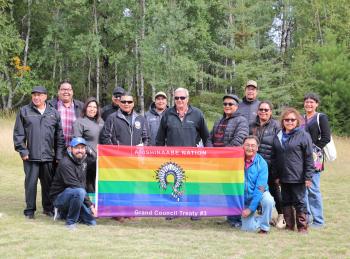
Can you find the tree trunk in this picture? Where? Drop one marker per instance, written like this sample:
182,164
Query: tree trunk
26,48
97,55
141,78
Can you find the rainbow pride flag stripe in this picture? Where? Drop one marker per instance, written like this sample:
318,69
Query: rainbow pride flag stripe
169,181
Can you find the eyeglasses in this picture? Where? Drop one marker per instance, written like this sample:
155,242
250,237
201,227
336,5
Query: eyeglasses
229,104
126,102
65,90
250,145
180,98
289,120
263,110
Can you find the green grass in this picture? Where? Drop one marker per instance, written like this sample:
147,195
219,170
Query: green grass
157,238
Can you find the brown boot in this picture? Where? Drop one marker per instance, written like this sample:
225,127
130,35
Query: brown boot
289,217
302,223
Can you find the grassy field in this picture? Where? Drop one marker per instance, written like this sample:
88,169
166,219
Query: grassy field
157,238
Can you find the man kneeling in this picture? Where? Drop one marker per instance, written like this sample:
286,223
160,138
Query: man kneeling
68,189
256,189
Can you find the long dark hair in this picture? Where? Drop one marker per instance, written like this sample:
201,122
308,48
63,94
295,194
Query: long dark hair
87,102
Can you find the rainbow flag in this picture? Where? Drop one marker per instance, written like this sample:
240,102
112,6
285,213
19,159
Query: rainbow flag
169,181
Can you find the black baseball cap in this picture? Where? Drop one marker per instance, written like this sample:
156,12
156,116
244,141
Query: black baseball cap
39,89
118,91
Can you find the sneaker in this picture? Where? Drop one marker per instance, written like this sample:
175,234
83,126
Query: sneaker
236,224
264,232
56,215
280,222
71,226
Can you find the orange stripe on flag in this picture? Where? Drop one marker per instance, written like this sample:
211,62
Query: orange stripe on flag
153,163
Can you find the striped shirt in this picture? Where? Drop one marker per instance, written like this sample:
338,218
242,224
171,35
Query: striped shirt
67,119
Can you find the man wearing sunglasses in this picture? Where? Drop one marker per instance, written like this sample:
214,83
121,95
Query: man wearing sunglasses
249,105
125,126
182,124
114,106
229,131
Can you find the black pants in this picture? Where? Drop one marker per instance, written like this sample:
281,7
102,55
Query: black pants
34,171
90,174
276,194
293,194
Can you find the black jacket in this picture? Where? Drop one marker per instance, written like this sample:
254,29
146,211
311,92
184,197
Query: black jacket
266,134
311,126
108,110
39,136
78,106
70,173
153,119
249,110
187,133
293,163
118,131
236,130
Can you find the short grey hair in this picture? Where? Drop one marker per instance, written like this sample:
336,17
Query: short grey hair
181,89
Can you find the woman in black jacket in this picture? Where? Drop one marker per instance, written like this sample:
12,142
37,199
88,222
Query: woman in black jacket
293,165
316,124
266,128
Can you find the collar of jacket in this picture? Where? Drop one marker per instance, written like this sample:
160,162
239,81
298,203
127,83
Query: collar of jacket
245,100
257,122
76,161
54,102
152,109
120,115
174,111
31,104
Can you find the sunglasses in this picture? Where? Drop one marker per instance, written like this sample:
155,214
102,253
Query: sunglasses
263,110
289,120
229,104
180,98
128,102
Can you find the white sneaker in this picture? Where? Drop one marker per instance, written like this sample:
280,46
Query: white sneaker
56,214
280,222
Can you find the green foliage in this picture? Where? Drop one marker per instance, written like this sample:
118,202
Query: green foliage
289,47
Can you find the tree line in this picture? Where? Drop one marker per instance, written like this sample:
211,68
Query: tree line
211,47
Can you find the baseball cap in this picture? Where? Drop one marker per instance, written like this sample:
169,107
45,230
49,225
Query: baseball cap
232,96
118,91
76,141
39,89
160,94
251,83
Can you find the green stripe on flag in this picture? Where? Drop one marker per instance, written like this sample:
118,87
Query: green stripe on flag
153,188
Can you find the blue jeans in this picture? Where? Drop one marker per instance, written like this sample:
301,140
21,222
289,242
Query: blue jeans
70,204
314,201
253,223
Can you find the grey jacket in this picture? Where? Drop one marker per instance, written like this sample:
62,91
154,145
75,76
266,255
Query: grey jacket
37,135
153,119
236,130
89,129
249,110
117,130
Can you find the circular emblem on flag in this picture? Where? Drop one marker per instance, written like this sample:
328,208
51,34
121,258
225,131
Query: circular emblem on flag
137,125
171,168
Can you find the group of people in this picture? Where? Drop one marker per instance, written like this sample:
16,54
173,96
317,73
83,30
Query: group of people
57,141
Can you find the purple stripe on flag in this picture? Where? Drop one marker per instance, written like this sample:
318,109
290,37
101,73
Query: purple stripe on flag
124,211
